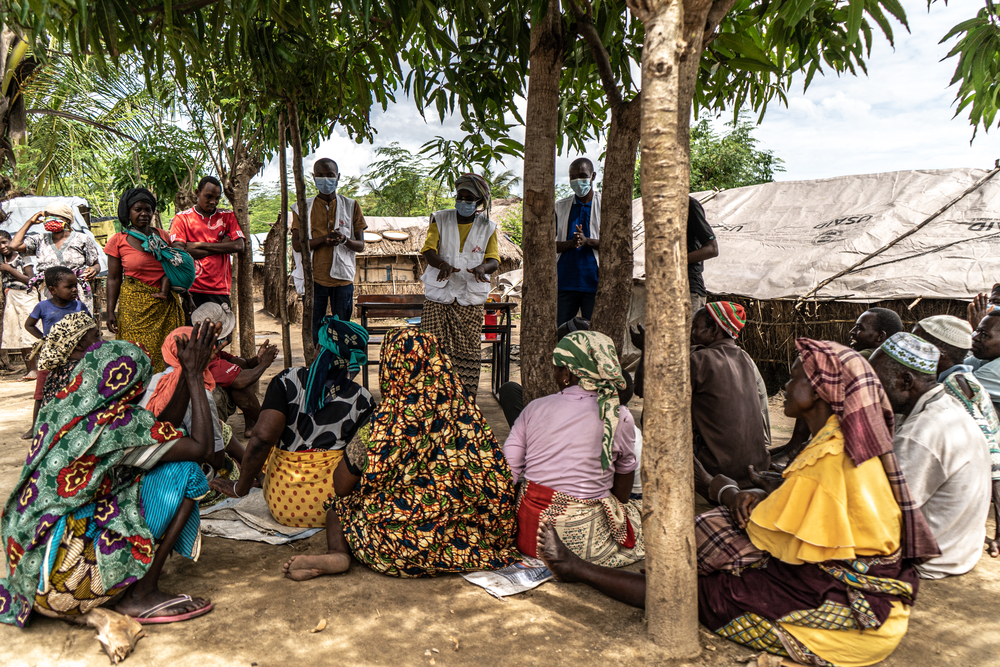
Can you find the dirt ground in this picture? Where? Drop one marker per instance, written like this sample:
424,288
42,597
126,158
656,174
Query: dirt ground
262,619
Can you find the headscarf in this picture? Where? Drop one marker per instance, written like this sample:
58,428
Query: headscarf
728,315
842,378
62,340
57,217
345,346
478,186
591,357
80,439
167,385
129,199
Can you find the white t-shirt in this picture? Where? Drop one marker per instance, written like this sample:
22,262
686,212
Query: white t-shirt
637,483
946,461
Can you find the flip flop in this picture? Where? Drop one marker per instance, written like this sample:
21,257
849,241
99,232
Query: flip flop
147,618
25,378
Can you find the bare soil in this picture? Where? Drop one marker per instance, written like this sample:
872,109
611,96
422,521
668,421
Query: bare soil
262,619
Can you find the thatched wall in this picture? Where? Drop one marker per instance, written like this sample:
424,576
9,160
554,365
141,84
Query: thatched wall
772,326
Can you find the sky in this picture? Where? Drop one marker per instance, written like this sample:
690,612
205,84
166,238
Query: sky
898,117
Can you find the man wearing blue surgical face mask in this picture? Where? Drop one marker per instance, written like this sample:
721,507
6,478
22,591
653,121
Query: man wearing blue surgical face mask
336,233
578,231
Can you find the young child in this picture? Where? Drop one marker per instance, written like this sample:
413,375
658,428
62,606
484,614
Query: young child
165,288
18,303
62,285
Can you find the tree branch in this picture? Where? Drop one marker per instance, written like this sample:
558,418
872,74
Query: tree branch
716,13
585,24
81,119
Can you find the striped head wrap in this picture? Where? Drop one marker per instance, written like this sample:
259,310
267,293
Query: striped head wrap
592,358
728,315
478,186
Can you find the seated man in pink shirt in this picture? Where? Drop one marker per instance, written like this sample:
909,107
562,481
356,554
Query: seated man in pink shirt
235,376
573,454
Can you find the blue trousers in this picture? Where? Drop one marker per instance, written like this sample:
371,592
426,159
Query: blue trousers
340,300
571,301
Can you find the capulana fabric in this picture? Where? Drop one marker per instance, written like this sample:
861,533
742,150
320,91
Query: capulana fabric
128,199
72,462
345,346
167,385
842,378
178,265
478,186
728,315
949,329
592,358
62,340
913,352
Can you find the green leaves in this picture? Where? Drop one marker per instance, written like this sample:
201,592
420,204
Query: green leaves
978,68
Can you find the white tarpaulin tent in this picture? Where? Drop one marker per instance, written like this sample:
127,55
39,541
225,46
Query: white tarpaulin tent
19,209
781,240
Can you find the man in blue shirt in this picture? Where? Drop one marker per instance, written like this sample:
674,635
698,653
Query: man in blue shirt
578,231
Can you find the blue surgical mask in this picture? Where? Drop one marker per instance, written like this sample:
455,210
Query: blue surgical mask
580,186
466,209
326,184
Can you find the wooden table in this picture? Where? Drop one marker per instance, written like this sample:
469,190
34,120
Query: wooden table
405,306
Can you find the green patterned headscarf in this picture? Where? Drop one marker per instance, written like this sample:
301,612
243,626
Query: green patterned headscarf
592,358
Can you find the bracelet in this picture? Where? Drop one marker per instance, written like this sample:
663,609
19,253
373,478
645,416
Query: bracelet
235,482
718,495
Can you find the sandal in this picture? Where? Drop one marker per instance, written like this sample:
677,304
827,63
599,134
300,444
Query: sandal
147,618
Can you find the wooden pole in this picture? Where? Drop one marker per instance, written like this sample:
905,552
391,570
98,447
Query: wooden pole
286,337
303,215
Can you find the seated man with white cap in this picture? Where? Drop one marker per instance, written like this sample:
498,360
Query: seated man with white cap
942,452
234,376
952,337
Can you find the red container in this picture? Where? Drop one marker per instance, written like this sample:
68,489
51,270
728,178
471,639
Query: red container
490,320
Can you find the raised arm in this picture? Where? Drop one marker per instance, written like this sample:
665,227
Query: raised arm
17,243
194,355
254,368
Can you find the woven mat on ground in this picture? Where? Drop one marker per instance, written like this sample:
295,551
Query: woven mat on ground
249,519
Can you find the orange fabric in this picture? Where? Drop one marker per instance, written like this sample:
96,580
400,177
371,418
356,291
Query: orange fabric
168,383
139,264
298,484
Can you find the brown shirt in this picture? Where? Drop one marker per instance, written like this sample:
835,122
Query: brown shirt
323,220
725,412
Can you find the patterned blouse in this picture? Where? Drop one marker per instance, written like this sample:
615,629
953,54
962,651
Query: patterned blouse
10,282
78,251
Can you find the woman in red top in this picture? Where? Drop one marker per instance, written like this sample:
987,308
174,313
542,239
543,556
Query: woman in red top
138,310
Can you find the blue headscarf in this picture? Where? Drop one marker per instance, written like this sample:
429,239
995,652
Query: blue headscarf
345,350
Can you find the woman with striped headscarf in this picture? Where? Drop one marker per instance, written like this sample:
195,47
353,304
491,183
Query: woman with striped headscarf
461,251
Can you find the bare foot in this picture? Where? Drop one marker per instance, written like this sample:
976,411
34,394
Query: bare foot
161,295
29,376
300,568
560,560
28,435
136,605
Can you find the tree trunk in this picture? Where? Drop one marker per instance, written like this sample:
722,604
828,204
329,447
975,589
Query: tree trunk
538,321
286,336
614,289
667,469
246,165
303,215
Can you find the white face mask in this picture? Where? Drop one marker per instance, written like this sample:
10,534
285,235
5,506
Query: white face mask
580,186
326,184
466,209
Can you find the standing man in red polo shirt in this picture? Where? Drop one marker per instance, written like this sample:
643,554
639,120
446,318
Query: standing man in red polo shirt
210,236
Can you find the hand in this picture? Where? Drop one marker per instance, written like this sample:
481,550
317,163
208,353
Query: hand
993,547
480,273
5,267
742,503
35,219
91,272
578,239
226,487
338,238
195,353
637,333
266,354
445,272
977,309
112,322
767,480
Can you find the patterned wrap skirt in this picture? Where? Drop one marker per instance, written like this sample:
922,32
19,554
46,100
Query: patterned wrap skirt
459,331
602,531
146,321
298,484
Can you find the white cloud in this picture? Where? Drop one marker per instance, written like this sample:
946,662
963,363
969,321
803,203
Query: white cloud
898,117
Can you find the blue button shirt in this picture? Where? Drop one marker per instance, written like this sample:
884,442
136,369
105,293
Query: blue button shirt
577,268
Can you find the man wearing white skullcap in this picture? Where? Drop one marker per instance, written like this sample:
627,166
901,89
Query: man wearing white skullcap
941,450
952,337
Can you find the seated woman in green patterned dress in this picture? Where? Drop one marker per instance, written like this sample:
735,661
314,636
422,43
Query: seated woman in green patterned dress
430,490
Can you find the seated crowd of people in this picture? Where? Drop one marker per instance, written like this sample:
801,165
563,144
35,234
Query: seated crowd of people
887,479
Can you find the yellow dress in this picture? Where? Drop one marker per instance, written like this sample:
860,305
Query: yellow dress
829,509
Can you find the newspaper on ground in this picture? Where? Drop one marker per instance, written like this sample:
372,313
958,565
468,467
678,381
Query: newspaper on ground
513,579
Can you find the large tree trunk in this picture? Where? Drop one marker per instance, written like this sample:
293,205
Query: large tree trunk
286,336
303,215
246,165
669,54
614,289
538,321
